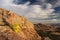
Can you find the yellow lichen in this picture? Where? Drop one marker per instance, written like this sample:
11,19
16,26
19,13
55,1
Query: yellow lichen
15,27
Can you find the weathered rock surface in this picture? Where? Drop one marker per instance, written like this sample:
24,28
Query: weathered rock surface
15,27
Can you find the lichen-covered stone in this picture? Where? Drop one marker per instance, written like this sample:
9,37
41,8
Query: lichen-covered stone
16,27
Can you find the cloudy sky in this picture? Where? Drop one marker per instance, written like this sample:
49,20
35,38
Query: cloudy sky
44,11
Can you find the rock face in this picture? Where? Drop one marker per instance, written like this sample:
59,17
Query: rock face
43,30
15,27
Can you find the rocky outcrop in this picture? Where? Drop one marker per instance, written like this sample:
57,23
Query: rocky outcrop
15,27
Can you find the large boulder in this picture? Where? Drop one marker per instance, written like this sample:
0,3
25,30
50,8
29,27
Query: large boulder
15,27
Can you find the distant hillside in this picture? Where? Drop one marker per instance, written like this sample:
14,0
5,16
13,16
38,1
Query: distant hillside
47,32
40,26
56,25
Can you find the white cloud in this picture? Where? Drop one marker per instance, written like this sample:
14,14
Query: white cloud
36,11
29,11
54,20
5,2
